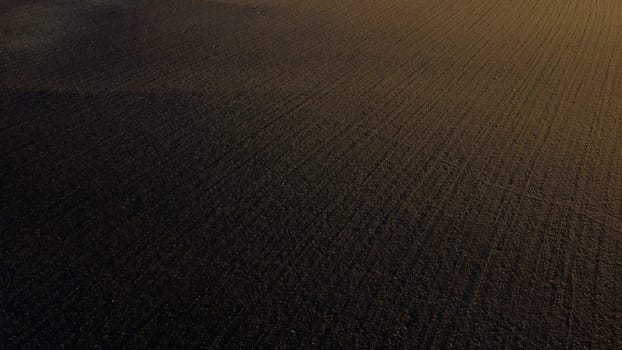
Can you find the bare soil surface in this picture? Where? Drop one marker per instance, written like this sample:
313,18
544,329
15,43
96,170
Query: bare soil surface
289,173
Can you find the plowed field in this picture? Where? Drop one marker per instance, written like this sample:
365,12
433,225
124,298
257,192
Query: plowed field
289,173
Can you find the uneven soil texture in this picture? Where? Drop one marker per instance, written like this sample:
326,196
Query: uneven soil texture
296,174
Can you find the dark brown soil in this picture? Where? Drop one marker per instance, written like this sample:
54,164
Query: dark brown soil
289,173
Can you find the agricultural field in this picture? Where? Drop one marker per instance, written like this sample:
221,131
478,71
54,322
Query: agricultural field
296,174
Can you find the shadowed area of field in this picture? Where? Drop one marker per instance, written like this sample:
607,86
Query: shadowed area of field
288,173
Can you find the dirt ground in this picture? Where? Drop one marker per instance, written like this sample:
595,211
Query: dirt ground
293,173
